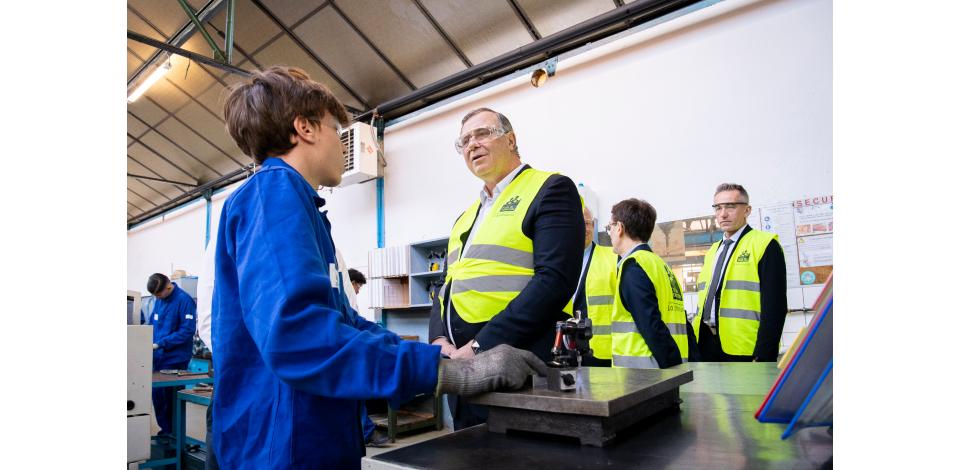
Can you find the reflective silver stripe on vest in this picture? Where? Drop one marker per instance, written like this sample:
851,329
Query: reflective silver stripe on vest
677,328
701,285
454,255
601,330
511,256
511,283
743,285
600,300
635,362
624,327
739,313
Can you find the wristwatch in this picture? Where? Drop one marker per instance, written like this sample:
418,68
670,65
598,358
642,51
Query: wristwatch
475,345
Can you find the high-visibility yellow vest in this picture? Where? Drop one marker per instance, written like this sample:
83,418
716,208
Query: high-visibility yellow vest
499,263
629,347
599,291
738,319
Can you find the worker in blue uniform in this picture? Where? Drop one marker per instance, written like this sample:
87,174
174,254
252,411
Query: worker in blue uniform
174,324
294,362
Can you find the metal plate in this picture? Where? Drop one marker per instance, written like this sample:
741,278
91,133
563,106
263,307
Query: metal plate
601,391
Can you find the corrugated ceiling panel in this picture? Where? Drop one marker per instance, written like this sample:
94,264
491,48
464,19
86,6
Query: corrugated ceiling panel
210,127
291,12
482,30
135,127
133,62
213,98
166,95
285,52
193,77
157,164
135,24
344,51
550,16
162,145
146,110
251,27
196,146
167,16
403,34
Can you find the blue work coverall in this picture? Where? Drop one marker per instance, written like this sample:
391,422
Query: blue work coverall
293,359
174,321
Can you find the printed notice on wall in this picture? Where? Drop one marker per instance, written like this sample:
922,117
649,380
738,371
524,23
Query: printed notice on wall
816,258
779,219
814,216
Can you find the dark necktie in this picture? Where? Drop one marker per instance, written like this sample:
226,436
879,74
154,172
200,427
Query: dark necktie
711,317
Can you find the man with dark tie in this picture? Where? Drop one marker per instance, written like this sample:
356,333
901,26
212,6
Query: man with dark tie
742,301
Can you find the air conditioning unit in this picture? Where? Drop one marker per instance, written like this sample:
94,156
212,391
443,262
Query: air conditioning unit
362,154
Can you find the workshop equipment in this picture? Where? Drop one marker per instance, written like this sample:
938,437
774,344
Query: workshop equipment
604,401
139,388
570,346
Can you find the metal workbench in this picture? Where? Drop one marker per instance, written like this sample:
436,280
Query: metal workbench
714,428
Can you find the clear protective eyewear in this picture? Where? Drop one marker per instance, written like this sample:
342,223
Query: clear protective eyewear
727,205
481,134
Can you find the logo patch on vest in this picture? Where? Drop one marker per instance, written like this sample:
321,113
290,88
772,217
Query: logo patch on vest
744,257
674,285
511,205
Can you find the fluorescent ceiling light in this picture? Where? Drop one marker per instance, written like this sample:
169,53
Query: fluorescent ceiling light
146,84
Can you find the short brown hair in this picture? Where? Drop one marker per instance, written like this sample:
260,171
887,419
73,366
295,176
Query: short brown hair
260,111
637,216
733,187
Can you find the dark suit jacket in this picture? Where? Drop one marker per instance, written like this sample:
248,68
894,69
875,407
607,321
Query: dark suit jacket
772,271
640,298
555,224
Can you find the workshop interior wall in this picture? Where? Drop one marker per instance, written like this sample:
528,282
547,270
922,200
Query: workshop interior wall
663,115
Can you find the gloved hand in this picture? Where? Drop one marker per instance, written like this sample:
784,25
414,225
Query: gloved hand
501,367
155,346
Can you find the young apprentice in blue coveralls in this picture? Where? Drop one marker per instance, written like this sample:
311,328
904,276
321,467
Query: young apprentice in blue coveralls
293,360
174,323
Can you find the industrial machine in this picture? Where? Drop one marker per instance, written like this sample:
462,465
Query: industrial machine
139,388
133,307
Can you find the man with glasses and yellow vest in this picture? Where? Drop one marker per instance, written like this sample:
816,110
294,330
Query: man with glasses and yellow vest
513,255
594,294
649,328
742,301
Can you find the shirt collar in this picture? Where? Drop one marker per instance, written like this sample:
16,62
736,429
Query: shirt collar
274,161
501,185
638,246
736,235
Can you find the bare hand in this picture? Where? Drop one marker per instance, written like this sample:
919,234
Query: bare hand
446,347
465,352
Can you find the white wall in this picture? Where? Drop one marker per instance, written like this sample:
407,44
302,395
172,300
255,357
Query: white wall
743,97
742,94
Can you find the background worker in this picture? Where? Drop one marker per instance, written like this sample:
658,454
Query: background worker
174,325
649,323
595,292
742,286
513,256
293,361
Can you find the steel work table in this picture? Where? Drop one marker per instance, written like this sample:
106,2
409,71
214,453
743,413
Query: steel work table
714,428
167,380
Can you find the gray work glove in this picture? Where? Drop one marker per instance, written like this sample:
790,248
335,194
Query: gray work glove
501,367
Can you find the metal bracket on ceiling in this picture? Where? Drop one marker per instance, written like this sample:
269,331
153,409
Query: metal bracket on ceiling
551,66
217,53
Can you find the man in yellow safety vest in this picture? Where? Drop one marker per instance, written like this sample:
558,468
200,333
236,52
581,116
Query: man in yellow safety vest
742,301
513,255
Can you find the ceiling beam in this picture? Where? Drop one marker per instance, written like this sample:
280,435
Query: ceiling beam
175,144
377,51
443,33
185,53
194,193
180,38
593,29
151,149
145,167
522,15
296,39
217,53
142,177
